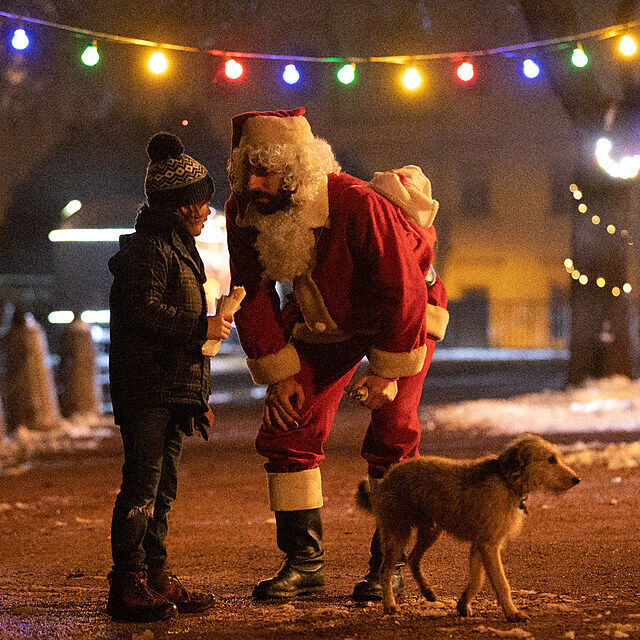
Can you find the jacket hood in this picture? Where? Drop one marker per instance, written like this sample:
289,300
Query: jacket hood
116,260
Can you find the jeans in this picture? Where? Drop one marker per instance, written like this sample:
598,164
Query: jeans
152,443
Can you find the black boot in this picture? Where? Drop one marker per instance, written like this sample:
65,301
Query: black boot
369,588
299,535
131,599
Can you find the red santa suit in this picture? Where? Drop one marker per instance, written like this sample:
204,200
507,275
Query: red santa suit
365,294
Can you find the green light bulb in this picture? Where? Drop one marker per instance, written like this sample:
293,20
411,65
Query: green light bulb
579,58
90,56
347,74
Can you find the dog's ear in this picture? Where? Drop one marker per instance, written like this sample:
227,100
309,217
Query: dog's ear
512,463
513,459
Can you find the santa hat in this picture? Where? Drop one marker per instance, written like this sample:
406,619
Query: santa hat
410,190
259,128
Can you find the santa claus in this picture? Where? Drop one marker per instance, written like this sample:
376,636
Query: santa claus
359,259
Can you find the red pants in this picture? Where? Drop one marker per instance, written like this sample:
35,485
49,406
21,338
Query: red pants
393,433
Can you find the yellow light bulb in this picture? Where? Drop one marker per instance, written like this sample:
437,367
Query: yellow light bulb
158,63
615,291
583,279
627,46
600,282
573,187
626,287
411,79
611,229
575,274
577,194
582,207
595,219
568,264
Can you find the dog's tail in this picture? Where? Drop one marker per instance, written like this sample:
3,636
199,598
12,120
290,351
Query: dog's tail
363,496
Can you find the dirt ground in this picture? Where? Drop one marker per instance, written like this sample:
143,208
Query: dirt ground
574,569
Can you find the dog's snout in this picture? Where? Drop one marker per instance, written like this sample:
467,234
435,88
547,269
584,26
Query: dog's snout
575,480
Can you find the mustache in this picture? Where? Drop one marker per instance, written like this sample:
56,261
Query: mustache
256,193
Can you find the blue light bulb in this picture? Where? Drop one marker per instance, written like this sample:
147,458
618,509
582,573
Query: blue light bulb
530,68
291,75
20,40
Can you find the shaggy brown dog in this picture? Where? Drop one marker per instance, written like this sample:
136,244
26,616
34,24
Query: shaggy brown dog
477,501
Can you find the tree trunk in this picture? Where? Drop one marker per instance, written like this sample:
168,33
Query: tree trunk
600,326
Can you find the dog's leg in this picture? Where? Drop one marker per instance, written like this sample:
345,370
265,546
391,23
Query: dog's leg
476,580
426,536
493,566
393,545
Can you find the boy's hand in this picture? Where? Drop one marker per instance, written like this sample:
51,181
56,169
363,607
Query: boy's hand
219,326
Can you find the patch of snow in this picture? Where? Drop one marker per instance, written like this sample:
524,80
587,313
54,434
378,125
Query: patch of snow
602,405
80,433
516,632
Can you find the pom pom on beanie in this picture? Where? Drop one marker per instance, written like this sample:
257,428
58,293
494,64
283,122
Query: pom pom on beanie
164,145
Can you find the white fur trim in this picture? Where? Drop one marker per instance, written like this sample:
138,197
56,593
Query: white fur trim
437,321
275,367
314,310
264,130
414,198
387,364
297,491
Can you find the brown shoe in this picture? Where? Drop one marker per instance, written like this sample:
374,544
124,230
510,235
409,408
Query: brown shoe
169,586
131,599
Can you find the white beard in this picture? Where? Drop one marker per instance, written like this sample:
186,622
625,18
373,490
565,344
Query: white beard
285,244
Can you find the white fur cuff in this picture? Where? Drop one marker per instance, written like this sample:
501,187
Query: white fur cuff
437,321
397,365
275,367
295,491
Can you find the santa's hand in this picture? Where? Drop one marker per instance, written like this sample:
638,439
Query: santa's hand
282,403
373,391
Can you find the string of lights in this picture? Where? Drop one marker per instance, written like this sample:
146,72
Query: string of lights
583,278
596,220
346,72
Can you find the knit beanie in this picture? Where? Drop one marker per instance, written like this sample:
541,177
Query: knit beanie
173,178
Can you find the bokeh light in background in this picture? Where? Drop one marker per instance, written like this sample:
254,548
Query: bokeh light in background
71,208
